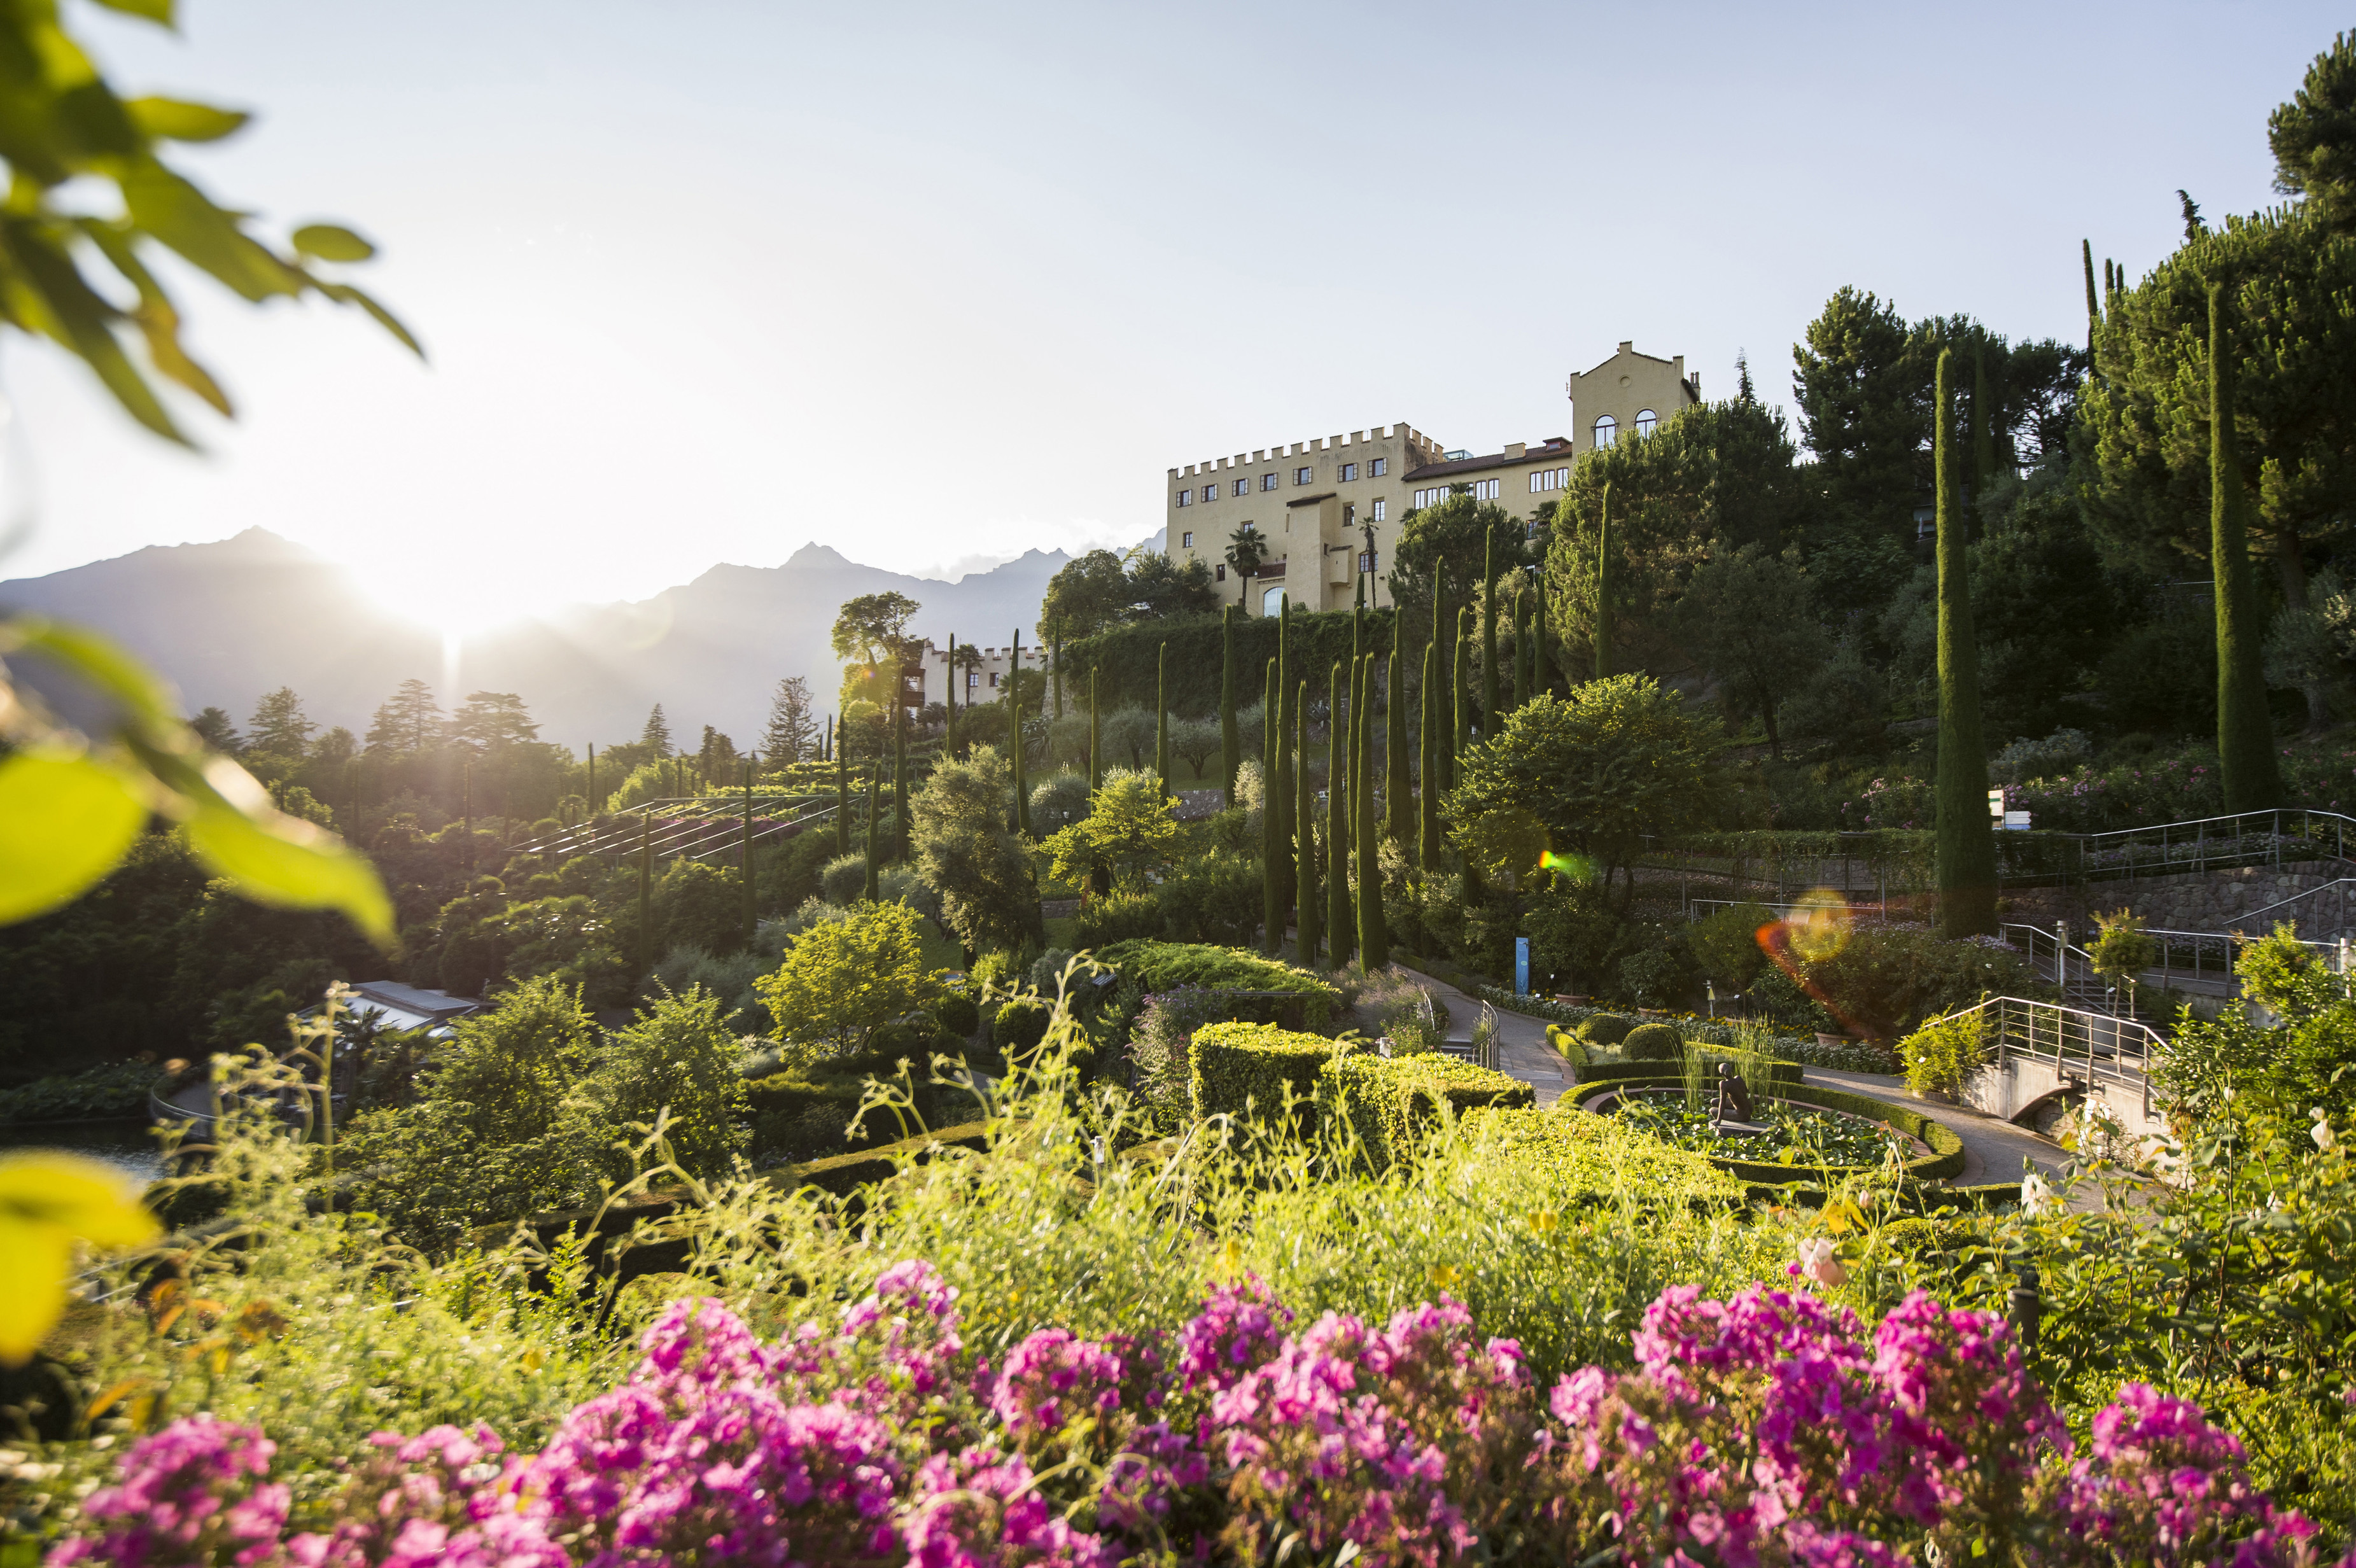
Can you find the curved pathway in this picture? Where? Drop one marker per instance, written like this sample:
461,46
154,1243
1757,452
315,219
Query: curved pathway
1993,1149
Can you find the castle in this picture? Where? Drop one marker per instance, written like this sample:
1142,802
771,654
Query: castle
1314,502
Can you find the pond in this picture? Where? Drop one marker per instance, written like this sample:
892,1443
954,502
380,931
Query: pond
125,1145
1802,1138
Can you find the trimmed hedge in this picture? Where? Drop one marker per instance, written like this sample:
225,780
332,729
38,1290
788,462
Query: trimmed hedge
957,1014
1236,1065
1391,1100
1944,1160
1607,1029
1126,658
1602,1160
1162,966
1653,1043
1021,1024
1580,1069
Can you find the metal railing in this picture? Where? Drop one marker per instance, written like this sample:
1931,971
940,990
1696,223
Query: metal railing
2215,843
692,828
2101,1048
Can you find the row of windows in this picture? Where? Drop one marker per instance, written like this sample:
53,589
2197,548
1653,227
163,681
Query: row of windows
1547,479
1606,428
1375,469
1378,510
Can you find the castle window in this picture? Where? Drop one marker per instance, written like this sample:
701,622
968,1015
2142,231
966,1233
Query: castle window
1267,481
1428,498
1647,422
1378,468
1219,573
1187,539
1376,508
1303,476
1186,497
1484,489
1349,472
1606,428
1271,602
1243,487
1210,492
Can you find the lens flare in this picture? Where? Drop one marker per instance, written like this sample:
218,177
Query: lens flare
1569,867
1818,924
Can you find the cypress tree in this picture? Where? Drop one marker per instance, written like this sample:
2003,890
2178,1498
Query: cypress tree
1489,632
899,783
1096,738
1521,652
841,803
1541,664
949,698
1463,699
873,892
1020,820
1304,812
2094,305
1271,911
1162,717
1231,746
1603,585
2246,748
1281,795
1374,937
744,861
1341,922
1362,589
1396,795
1965,843
1429,804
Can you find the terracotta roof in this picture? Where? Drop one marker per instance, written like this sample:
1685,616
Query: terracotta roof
1553,447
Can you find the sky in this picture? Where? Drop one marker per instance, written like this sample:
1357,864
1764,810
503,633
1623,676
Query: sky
933,284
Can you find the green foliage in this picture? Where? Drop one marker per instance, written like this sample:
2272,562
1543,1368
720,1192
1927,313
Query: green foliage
1607,1029
1658,975
1749,616
1163,965
1726,942
980,872
1213,897
1126,659
2245,749
115,1089
2122,950
1128,833
1967,846
1942,1055
1884,980
957,1013
843,979
2307,1060
676,1065
1019,1025
1653,1043
2313,136
1110,918
1245,1070
1393,1102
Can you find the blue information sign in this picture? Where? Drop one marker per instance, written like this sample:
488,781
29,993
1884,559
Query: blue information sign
1521,966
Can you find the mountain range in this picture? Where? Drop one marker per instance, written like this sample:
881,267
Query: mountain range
231,620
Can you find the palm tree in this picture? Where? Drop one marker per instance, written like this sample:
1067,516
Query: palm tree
1247,548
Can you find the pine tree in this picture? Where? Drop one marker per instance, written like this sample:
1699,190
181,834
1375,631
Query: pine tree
1965,844
1162,717
1096,738
790,733
408,722
2245,749
825,741
1056,663
1340,920
1489,682
278,727
1397,800
1271,844
1427,803
1603,585
1431,705
1231,747
1374,936
1305,855
656,736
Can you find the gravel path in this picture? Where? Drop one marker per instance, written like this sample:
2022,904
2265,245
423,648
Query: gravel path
1993,1149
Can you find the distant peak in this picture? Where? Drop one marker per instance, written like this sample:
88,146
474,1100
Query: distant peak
816,555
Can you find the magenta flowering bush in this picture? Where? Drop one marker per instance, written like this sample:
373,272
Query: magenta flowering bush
1769,1429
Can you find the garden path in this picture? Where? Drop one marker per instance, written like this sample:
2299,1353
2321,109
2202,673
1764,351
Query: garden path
1522,1049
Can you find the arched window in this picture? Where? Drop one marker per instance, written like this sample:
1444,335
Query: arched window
1271,600
1647,422
1606,428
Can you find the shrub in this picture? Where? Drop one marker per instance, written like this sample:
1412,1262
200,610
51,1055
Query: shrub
1021,1024
1941,1056
1727,944
1653,1043
844,880
1161,965
1116,917
1572,1049
1607,1029
2124,949
1233,1064
1390,1102
845,978
1655,978
1160,1044
1060,800
957,1015
1213,897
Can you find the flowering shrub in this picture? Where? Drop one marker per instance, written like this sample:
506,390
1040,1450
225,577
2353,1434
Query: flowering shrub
1768,1429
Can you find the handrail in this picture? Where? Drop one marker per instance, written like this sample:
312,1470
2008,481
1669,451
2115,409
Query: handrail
2068,1036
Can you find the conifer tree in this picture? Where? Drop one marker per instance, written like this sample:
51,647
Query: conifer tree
2245,749
1231,747
841,803
1341,922
1541,662
874,892
1489,632
1271,845
790,734
1396,805
1436,666
1096,738
1603,585
1374,936
1463,697
825,741
1306,854
899,781
1281,780
656,734
1521,652
1983,440
1428,802
1964,842
1020,820
1162,717
2094,305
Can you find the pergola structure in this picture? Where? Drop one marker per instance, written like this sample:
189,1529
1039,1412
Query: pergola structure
695,827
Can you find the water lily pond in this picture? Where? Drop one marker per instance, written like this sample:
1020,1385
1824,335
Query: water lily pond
1797,1137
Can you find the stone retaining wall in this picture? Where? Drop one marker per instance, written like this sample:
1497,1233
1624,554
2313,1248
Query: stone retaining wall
2214,901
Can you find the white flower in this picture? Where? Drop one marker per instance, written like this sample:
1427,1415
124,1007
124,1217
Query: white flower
2037,1195
1818,1263
2321,1132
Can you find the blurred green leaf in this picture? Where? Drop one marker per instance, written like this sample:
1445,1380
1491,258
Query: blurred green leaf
344,293
98,660
65,819
175,212
277,859
176,120
331,242
148,10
